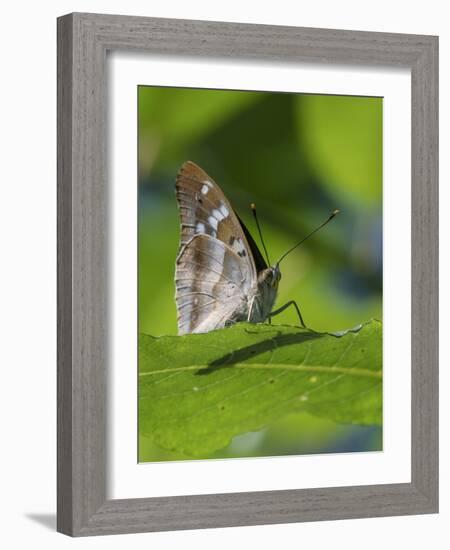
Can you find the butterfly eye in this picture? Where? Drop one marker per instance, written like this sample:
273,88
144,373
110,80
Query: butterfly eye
276,275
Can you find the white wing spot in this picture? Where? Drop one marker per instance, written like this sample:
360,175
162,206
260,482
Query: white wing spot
224,210
218,214
213,221
200,227
207,185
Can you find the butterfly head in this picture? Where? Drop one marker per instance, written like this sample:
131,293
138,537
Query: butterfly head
271,276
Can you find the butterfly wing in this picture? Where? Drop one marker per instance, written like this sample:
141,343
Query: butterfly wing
215,268
204,209
211,284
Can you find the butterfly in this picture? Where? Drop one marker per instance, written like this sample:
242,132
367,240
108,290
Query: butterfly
221,277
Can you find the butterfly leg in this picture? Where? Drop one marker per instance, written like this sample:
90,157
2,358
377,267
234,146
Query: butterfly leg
282,308
250,310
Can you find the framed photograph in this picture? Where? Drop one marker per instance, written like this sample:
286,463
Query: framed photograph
247,274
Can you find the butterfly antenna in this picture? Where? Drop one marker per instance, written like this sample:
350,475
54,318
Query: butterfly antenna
330,217
253,207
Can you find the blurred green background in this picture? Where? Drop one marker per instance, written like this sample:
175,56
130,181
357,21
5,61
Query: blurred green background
298,157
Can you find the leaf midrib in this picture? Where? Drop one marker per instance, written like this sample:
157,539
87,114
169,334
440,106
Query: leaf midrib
318,369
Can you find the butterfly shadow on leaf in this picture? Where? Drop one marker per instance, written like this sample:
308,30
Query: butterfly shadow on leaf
249,352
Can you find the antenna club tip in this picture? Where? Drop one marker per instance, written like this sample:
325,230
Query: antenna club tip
335,212
253,206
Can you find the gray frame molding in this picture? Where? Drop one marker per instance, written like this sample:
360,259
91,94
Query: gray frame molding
83,41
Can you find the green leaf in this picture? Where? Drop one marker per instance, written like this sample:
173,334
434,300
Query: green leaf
199,390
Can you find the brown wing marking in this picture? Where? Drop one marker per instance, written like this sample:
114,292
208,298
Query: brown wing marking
204,209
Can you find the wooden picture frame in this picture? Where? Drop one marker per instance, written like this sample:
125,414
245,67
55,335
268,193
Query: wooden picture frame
83,41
